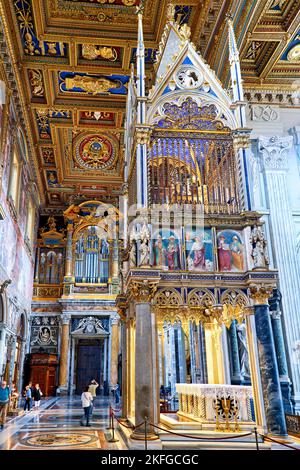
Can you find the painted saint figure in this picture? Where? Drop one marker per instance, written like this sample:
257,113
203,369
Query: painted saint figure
224,254
198,249
158,251
236,249
172,254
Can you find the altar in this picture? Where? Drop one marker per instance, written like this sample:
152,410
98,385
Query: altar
227,407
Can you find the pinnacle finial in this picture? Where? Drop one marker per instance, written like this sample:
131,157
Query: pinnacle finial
140,7
229,16
170,12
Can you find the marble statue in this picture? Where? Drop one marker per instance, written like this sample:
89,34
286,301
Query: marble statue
243,350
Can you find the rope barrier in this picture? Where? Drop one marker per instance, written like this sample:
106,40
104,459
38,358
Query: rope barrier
128,427
201,438
277,442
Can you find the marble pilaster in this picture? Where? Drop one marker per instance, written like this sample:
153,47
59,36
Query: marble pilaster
275,153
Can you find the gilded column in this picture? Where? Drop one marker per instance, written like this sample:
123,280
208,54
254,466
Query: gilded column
64,353
214,354
267,361
114,349
68,265
145,386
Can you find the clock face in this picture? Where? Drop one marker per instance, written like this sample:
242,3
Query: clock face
189,77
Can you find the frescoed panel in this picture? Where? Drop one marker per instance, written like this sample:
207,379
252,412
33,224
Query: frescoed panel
167,249
75,82
52,179
48,156
97,118
199,250
231,254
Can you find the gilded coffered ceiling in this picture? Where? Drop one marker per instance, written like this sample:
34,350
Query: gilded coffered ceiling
73,59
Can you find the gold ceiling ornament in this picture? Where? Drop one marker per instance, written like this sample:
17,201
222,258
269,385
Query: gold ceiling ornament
294,54
143,291
185,32
91,52
260,294
277,3
91,85
36,82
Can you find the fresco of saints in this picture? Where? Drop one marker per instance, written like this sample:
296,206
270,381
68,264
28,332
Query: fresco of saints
224,254
236,249
172,254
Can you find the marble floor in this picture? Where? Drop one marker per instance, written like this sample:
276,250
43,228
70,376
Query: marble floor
57,426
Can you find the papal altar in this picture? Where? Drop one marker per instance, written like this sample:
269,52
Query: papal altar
225,406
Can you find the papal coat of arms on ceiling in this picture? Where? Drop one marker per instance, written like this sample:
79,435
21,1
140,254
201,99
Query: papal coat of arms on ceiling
94,152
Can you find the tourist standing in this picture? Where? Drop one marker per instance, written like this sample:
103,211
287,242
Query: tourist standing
4,401
28,398
36,395
93,388
87,402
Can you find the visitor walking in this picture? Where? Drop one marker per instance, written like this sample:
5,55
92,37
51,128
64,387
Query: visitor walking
36,395
4,402
28,397
87,401
93,391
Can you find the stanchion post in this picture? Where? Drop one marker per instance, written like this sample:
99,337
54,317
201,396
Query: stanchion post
113,439
145,432
256,438
110,418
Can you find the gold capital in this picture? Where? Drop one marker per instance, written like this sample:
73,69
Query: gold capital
260,294
143,291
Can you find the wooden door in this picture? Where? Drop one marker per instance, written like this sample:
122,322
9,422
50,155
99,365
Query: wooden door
88,363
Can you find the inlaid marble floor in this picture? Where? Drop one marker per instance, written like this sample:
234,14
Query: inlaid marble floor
57,426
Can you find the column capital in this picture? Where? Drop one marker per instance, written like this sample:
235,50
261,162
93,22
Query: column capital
65,319
275,314
275,151
143,291
143,135
115,318
241,138
260,294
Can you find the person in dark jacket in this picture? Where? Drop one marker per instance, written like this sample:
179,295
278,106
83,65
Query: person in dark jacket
36,395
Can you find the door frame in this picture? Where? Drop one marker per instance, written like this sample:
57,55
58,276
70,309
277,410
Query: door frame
74,343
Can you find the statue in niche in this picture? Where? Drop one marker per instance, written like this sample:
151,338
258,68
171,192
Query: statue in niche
132,254
144,250
259,251
243,350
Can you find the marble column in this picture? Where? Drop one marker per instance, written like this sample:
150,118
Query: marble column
124,369
12,359
145,401
202,351
235,358
275,153
181,355
268,364
64,353
285,382
114,350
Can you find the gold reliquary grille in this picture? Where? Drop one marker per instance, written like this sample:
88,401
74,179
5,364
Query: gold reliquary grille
193,168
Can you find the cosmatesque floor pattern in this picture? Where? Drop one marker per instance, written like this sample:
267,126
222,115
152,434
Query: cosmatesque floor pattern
57,426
